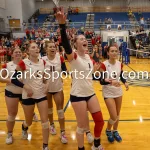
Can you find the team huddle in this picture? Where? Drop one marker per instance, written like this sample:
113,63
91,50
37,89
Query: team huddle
40,90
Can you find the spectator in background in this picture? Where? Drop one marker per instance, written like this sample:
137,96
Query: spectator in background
69,10
36,20
7,43
24,23
93,41
140,14
100,51
77,10
33,33
137,43
105,50
106,21
9,53
119,27
54,10
96,54
27,33
142,22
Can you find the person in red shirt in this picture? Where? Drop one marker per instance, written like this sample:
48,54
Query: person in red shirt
1,54
33,33
93,41
28,33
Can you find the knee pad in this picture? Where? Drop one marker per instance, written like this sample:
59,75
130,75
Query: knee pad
99,123
80,130
60,113
11,118
45,125
112,122
50,111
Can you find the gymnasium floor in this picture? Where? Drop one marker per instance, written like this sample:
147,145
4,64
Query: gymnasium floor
134,120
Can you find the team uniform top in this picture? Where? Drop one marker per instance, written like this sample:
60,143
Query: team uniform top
54,65
1,52
11,70
110,91
82,86
35,81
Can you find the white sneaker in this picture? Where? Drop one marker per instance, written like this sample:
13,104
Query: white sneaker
24,135
35,117
46,148
9,139
52,129
97,148
90,138
63,138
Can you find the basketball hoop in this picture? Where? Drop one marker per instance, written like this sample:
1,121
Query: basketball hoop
56,2
92,2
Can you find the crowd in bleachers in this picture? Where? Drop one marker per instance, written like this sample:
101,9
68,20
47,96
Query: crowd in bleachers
41,35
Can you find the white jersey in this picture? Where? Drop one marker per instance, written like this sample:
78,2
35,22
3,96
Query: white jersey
54,67
82,69
35,81
110,91
11,70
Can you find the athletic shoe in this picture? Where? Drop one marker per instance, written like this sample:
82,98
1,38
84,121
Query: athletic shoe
9,139
46,148
97,148
110,136
52,129
63,138
90,138
24,135
117,136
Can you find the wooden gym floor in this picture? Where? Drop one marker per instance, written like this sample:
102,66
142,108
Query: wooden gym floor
134,120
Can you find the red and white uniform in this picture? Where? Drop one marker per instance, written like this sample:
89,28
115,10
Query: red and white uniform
110,91
11,87
1,52
82,86
55,85
36,81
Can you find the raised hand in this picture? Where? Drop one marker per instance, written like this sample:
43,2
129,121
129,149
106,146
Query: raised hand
60,16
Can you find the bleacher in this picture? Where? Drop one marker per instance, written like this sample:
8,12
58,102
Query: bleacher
146,15
81,17
42,17
121,16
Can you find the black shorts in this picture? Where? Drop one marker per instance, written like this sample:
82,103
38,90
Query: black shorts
12,95
53,93
32,101
110,97
78,99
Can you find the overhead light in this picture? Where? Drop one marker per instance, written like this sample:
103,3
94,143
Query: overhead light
108,7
